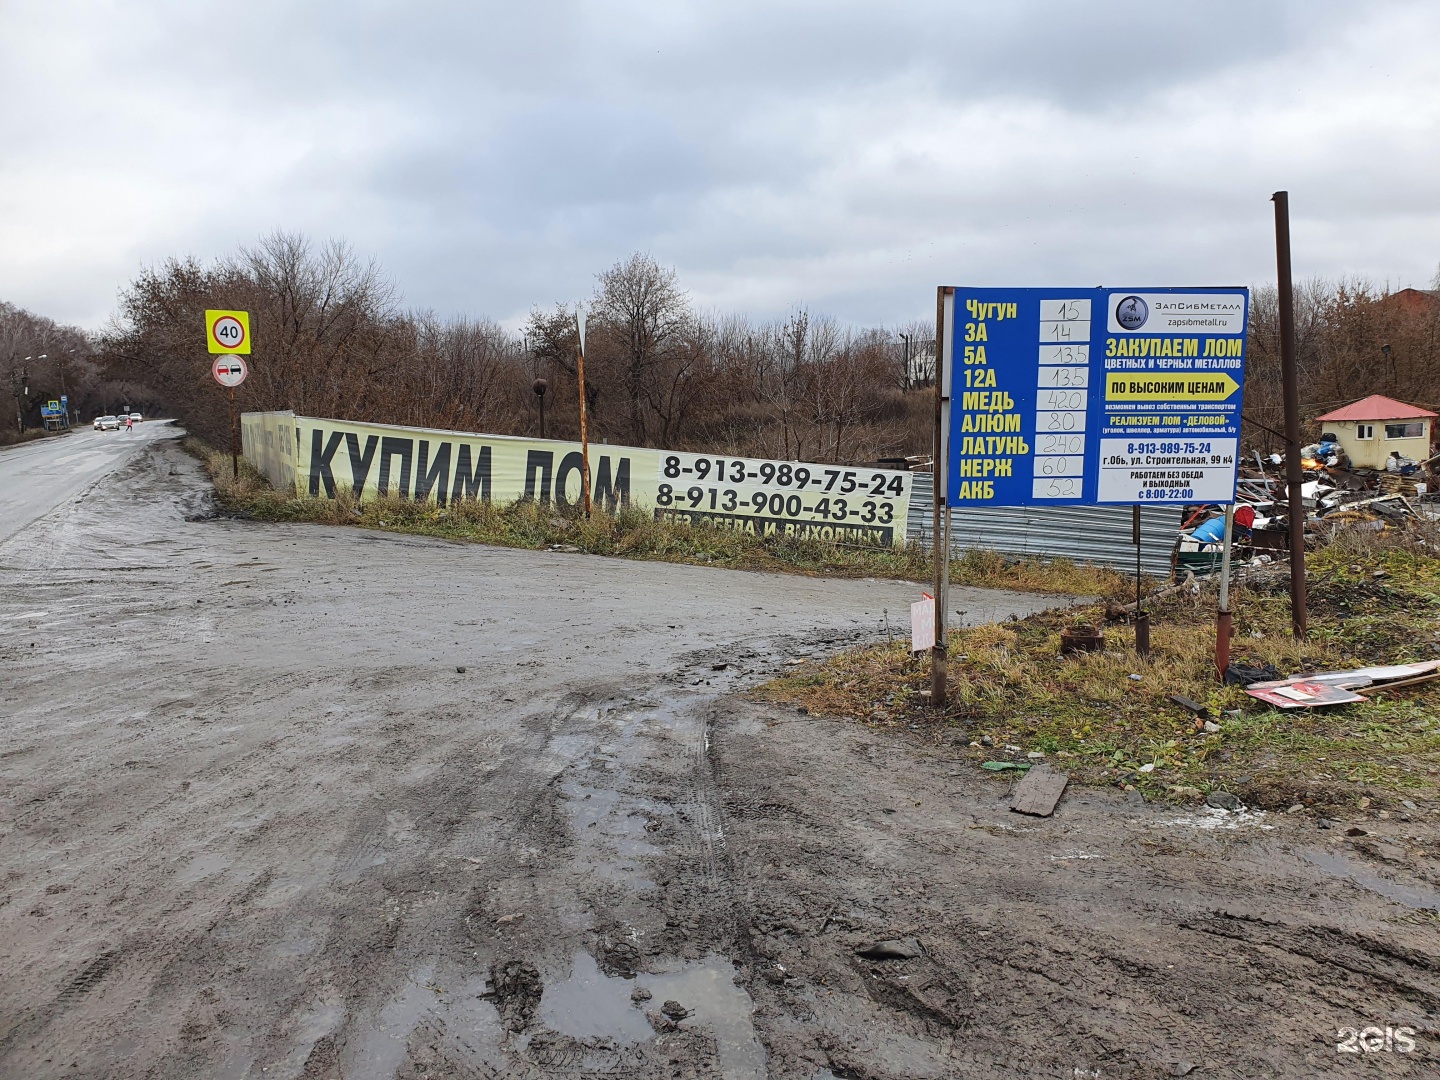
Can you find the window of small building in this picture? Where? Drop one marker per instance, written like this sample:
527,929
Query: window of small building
1364,431
1405,431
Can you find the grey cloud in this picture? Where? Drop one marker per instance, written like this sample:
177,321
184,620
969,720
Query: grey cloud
847,155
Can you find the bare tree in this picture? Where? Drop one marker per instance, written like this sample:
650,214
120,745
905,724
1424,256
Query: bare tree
643,314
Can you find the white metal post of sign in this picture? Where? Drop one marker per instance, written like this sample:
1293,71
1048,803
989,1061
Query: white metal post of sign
944,350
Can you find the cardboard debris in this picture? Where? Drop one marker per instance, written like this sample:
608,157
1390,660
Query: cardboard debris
922,624
1378,677
1038,793
1304,695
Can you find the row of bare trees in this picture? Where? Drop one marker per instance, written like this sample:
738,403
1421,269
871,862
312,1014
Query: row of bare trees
42,360
1352,339
331,339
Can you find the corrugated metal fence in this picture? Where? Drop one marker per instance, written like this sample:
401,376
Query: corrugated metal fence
1090,534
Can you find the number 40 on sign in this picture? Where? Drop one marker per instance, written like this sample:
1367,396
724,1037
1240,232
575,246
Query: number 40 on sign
228,331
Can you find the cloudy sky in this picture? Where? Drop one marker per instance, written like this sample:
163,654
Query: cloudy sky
849,156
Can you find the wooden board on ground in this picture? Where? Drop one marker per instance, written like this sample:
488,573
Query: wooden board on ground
1038,793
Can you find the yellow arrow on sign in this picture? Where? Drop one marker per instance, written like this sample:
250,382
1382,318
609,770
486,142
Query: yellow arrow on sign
1153,387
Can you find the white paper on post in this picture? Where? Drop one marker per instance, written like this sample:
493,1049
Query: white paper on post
922,624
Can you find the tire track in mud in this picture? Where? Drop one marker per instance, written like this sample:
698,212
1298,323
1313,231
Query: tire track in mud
345,870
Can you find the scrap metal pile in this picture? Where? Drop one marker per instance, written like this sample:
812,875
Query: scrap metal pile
1334,496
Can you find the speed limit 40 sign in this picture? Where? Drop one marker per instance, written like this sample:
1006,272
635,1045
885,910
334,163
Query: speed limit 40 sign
228,331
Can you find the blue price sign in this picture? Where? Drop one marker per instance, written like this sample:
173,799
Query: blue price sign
1066,396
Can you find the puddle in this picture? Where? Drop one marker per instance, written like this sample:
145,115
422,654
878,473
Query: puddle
600,809
1419,897
611,837
708,990
593,1005
607,818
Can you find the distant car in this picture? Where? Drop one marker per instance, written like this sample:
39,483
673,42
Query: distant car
107,423
136,417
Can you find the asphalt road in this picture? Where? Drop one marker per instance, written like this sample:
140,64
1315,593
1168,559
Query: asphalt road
39,476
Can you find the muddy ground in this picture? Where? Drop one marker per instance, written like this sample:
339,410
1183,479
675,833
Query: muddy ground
255,821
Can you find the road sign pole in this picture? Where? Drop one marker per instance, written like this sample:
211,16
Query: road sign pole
227,334
1142,617
944,314
234,453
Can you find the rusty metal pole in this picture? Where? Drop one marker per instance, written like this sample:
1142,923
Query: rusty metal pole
234,454
944,313
1290,389
584,435
1223,623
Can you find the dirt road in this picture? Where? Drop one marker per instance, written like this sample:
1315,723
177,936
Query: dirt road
311,802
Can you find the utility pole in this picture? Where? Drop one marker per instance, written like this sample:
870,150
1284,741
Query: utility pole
1290,391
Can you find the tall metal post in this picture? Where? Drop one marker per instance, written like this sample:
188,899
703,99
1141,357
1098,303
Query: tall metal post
584,435
1222,614
1142,618
1290,390
234,452
944,330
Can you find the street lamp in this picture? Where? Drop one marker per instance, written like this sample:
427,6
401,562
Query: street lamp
539,387
20,385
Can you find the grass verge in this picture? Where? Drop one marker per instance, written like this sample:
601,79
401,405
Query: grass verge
635,534
1106,718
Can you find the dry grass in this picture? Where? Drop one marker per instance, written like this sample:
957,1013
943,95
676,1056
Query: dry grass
634,534
1095,719
11,437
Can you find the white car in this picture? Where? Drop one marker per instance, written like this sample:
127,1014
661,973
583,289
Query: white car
136,417
107,423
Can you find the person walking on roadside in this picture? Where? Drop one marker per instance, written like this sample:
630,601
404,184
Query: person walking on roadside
129,424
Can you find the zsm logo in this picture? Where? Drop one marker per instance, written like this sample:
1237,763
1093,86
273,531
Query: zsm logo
1132,312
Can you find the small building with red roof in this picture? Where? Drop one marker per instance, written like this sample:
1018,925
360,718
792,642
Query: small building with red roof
1373,428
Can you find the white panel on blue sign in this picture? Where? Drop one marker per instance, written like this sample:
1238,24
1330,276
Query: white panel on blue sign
1096,395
